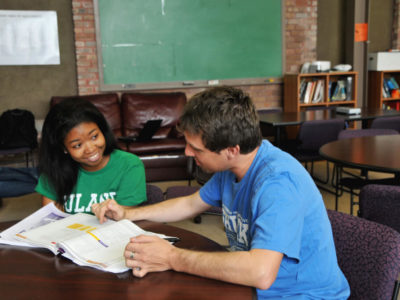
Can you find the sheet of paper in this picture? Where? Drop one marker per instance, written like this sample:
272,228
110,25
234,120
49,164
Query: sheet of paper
43,216
29,37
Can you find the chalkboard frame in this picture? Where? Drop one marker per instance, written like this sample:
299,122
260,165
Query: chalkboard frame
182,84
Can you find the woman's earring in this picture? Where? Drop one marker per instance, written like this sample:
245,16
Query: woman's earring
65,152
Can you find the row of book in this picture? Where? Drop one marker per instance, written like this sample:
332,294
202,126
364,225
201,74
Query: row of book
341,90
395,105
390,88
313,91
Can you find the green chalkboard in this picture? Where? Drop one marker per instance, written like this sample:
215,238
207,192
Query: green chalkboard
172,43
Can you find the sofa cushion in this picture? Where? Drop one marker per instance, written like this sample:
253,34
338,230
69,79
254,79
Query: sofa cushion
157,146
107,104
138,108
174,166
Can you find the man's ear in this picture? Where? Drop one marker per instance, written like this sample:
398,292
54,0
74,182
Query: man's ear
232,152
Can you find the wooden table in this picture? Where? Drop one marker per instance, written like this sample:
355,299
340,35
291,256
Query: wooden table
371,153
376,153
283,119
32,273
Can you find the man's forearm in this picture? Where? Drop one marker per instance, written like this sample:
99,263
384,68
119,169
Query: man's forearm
257,268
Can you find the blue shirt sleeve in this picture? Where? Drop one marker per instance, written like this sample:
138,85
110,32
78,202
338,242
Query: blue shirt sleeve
210,192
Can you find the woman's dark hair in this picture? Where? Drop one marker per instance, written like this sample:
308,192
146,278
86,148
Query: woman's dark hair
60,169
225,117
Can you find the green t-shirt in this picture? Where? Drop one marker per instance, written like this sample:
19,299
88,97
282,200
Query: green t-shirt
122,179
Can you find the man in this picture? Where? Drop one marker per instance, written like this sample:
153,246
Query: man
276,223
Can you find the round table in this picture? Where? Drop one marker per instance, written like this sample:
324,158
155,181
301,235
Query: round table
376,153
371,153
34,273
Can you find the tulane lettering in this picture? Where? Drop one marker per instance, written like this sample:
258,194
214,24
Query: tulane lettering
75,200
236,225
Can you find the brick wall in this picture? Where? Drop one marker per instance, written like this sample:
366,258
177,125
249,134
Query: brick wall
300,33
300,45
85,46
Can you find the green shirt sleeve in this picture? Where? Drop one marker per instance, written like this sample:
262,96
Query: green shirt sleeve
45,188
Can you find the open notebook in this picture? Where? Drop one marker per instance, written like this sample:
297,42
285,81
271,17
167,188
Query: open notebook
79,237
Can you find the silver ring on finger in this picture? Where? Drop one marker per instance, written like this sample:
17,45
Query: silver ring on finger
132,255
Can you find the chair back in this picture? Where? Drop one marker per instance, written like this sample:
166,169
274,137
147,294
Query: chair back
180,191
138,108
313,134
154,194
381,203
387,123
352,133
368,254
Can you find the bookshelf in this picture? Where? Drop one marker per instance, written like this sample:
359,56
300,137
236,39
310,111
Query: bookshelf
296,85
377,97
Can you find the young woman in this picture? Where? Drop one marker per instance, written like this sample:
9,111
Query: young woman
80,163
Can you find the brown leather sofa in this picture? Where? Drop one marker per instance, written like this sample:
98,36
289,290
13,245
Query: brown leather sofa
163,155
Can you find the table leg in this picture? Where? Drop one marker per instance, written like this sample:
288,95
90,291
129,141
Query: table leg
278,136
337,179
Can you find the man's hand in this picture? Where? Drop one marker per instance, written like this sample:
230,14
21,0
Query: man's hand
108,209
146,254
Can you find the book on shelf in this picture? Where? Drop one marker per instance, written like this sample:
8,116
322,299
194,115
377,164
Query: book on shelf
390,88
394,83
303,87
349,88
313,88
331,88
311,91
339,92
395,105
79,237
385,91
307,94
319,92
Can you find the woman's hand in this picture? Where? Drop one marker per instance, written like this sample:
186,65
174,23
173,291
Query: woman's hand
108,209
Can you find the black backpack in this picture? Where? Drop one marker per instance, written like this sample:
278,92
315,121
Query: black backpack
17,129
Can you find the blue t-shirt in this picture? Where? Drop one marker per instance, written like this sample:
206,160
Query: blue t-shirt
277,206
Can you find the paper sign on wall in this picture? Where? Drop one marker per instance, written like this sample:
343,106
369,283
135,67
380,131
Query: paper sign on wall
361,32
29,38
